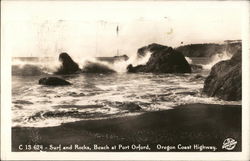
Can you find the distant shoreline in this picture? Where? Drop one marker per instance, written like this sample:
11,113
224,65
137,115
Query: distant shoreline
193,125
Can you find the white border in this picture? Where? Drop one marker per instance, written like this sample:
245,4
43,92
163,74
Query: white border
6,153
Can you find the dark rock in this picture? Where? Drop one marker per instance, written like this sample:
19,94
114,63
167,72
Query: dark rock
91,67
224,80
68,65
198,76
163,59
53,81
130,106
196,68
53,114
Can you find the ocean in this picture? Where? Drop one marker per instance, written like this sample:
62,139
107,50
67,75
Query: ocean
99,96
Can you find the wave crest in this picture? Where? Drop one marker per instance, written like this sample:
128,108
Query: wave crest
27,70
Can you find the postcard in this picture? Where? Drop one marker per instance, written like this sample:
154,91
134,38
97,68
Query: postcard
125,80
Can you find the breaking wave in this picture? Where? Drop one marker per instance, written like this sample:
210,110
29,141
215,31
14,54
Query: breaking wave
217,58
33,67
30,67
27,70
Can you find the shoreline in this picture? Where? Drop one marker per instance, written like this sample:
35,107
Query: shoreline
188,125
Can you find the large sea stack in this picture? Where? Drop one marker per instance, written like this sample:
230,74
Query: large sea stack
224,80
163,59
68,65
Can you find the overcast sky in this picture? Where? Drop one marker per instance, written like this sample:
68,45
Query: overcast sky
38,28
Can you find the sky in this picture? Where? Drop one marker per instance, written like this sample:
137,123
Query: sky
88,28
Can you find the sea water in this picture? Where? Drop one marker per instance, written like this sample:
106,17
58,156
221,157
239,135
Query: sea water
97,96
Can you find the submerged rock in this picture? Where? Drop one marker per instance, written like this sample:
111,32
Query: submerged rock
91,67
224,80
130,106
196,68
53,81
163,59
68,65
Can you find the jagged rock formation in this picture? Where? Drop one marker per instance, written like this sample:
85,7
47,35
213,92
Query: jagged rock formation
224,80
163,59
68,65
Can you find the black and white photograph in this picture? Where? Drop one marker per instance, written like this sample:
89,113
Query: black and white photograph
125,76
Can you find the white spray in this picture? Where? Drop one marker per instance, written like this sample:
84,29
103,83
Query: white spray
217,58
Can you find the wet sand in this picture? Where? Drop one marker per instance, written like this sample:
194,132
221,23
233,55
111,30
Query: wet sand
188,125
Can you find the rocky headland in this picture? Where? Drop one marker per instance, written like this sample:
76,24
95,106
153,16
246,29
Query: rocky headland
210,49
224,80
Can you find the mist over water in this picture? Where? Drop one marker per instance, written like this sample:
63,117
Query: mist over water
27,66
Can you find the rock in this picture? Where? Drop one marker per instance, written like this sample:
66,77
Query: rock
198,76
53,81
224,80
163,59
196,68
68,65
53,114
130,106
91,67
152,48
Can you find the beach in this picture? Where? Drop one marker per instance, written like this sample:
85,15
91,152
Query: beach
189,127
